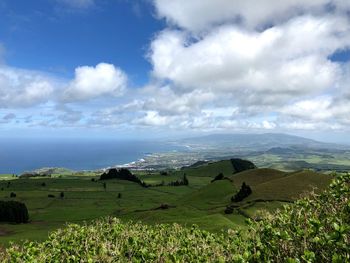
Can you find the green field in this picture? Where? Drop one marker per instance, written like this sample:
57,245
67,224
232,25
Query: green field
201,202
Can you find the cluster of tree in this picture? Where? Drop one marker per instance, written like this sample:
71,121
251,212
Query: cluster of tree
35,174
14,212
241,165
220,176
244,192
183,181
121,174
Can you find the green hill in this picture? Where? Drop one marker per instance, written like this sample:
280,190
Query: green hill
314,229
216,194
210,169
270,184
256,176
290,186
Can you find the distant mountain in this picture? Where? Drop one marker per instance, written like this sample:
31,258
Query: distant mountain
263,141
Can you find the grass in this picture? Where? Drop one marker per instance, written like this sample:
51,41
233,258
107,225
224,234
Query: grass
201,202
313,229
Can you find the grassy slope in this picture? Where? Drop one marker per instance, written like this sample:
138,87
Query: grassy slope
210,169
256,176
291,186
200,203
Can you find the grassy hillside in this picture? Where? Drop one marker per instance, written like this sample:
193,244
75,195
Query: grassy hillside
210,169
256,176
201,202
271,184
215,194
314,229
291,186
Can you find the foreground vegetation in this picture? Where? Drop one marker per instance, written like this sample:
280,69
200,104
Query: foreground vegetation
314,229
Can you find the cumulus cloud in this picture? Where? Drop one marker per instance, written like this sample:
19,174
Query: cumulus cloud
225,65
92,82
283,61
198,15
23,88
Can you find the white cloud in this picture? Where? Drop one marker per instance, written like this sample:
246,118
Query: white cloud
317,109
24,88
266,67
197,15
92,82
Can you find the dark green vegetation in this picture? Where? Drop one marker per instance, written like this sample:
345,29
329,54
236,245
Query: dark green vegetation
13,212
243,193
121,174
314,229
200,202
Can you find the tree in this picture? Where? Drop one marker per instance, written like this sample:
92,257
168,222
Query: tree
185,180
13,211
119,195
220,176
244,192
105,186
62,195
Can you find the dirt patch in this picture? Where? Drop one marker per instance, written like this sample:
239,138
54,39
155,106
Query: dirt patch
4,232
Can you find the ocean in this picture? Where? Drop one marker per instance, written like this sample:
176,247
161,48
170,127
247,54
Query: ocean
20,155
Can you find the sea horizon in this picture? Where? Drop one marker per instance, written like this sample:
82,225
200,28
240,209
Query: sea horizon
25,155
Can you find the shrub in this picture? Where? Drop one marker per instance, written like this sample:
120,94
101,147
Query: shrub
13,195
43,184
119,195
229,210
244,192
62,195
220,176
13,211
50,196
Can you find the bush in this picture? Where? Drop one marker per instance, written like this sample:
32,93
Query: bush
62,195
51,196
13,195
43,184
13,211
244,192
220,176
119,195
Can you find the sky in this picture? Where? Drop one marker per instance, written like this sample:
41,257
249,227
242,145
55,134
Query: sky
159,68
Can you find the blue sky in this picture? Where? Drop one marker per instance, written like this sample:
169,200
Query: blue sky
55,37
154,68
